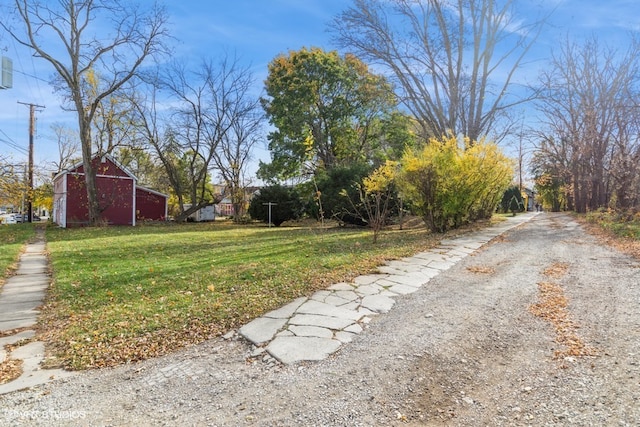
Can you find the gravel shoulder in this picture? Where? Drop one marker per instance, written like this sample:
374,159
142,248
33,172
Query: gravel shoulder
465,350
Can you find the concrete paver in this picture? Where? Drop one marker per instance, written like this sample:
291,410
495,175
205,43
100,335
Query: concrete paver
290,350
401,289
324,309
334,323
287,310
262,329
378,303
311,331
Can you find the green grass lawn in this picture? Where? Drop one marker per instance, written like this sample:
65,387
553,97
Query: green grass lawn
122,294
12,239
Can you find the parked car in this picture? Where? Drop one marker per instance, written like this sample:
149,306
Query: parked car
9,219
25,217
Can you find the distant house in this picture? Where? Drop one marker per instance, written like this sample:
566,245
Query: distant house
528,197
122,200
226,208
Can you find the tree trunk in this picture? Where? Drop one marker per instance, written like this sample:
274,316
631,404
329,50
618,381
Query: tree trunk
93,202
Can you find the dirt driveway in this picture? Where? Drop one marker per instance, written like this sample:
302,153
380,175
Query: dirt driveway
540,327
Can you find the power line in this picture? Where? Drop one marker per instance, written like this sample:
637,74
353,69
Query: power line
11,143
13,146
20,70
30,75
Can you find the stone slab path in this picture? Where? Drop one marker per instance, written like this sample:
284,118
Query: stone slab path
313,328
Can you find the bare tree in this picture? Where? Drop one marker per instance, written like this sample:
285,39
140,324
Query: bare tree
68,147
625,167
151,128
234,152
233,157
67,34
112,126
453,61
212,124
588,104
194,133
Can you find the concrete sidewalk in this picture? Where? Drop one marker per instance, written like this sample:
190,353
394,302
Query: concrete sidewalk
20,299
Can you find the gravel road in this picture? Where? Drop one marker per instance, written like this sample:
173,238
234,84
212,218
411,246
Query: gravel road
467,349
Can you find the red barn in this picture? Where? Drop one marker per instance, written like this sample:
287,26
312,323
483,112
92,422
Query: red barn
121,200
150,205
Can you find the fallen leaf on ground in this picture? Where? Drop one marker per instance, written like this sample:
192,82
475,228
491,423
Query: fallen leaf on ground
10,369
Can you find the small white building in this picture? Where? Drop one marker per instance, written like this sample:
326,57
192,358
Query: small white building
206,213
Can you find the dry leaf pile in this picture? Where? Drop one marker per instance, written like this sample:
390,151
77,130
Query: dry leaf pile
10,370
481,269
553,307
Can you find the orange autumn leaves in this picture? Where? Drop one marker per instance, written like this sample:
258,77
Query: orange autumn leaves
553,307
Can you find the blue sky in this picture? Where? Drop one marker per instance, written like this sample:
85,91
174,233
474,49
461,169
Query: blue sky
258,30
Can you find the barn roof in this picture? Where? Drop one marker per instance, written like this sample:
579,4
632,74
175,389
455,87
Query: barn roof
79,164
148,190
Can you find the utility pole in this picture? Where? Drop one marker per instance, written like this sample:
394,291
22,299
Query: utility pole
32,123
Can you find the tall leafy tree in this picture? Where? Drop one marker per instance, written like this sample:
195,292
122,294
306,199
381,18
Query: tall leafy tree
276,204
71,36
321,105
397,132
